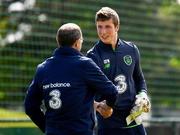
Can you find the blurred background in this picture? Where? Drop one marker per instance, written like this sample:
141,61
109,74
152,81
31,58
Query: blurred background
27,37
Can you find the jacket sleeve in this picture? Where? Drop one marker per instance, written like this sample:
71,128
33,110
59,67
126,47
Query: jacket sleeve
32,103
138,76
97,80
91,54
96,58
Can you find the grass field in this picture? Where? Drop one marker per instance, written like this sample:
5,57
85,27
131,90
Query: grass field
9,118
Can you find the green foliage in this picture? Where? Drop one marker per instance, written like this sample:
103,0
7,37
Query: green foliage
169,11
175,63
153,25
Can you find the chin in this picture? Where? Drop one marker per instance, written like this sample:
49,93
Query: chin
104,41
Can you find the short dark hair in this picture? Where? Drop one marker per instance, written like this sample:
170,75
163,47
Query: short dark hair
68,34
106,13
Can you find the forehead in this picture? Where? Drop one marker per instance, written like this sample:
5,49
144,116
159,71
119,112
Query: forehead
106,22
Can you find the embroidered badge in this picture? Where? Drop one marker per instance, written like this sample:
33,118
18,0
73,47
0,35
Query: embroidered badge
127,59
106,63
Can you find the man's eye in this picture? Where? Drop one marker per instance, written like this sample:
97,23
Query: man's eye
99,27
108,26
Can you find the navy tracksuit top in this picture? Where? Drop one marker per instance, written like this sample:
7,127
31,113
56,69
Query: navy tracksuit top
67,83
122,67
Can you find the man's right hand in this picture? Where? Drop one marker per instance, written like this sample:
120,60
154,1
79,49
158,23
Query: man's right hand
105,110
142,101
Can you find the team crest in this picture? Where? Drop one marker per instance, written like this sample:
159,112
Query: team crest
128,60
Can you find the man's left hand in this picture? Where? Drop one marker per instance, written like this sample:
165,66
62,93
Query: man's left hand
105,110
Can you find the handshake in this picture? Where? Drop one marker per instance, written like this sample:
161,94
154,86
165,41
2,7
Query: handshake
105,110
142,104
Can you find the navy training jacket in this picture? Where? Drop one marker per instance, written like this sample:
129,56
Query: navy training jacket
67,83
122,67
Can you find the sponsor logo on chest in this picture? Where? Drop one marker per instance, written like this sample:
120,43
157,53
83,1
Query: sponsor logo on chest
106,63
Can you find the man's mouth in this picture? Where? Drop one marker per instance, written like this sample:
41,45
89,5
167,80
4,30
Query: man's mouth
104,37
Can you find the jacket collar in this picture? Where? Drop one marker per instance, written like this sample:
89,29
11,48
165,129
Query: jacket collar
108,46
67,51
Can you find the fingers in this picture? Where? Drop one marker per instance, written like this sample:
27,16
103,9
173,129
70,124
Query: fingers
104,109
147,107
95,105
143,100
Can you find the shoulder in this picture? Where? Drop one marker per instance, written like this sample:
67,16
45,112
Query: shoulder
86,62
42,66
94,48
93,52
128,44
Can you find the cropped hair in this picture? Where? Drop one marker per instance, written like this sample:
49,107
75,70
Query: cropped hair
107,13
68,34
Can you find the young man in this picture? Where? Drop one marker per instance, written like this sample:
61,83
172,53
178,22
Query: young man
120,61
64,82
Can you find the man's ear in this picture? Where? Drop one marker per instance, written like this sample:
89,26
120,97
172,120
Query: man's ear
117,28
75,45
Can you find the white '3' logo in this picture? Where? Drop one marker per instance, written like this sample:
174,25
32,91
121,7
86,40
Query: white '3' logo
121,83
55,101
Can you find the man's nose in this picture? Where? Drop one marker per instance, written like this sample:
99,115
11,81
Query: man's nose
103,31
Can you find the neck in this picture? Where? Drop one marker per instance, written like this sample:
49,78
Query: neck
113,44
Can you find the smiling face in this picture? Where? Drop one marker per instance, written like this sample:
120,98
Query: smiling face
107,31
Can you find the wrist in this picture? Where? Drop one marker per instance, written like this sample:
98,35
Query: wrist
142,93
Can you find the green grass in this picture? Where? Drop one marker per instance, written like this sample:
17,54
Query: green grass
11,118
4,113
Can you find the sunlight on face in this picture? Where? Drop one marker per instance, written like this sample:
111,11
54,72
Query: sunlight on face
107,31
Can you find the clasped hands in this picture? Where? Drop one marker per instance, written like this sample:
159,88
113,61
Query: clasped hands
142,104
105,110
